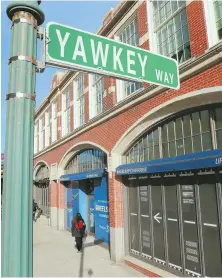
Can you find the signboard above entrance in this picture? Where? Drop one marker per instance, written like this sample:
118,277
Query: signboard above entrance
79,50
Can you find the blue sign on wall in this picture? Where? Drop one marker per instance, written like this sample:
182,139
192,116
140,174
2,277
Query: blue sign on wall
72,204
92,215
102,211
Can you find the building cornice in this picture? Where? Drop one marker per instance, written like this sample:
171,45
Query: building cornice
211,57
116,15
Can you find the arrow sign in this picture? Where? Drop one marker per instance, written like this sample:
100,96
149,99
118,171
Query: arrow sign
156,217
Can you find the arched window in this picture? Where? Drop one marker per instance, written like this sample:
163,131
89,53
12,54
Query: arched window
42,174
86,160
191,131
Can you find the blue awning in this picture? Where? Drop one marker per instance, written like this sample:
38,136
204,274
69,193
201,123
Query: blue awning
83,175
201,160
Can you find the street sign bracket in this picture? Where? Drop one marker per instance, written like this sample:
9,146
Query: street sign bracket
41,34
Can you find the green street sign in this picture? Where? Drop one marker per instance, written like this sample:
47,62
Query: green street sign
74,49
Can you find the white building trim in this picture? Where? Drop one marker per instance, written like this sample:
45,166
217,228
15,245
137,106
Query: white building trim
210,23
74,150
190,100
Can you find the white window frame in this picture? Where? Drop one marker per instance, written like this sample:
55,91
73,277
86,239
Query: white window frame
65,110
54,122
152,29
40,134
47,129
120,84
92,96
210,23
36,138
76,105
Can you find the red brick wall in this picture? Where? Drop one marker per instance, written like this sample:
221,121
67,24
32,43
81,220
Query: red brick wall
86,107
211,77
142,19
197,28
109,132
115,202
108,99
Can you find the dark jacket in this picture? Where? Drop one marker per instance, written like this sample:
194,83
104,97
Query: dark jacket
79,232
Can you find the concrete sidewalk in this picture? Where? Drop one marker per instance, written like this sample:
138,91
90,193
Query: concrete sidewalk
56,256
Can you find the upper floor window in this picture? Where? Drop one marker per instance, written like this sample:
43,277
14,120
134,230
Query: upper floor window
79,117
218,17
54,122
98,89
47,129
40,134
130,36
171,29
66,112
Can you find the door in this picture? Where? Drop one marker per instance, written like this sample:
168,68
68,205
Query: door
157,216
91,214
144,198
210,225
172,223
133,216
190,230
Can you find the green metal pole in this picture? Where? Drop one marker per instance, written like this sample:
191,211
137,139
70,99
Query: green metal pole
17,233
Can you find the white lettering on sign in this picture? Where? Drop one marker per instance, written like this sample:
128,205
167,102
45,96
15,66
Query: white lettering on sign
218,160
164,76
116,58
98,52
102,208
79,52
62,41
130,62
142,63
132,170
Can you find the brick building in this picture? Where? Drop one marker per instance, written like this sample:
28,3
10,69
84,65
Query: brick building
142,163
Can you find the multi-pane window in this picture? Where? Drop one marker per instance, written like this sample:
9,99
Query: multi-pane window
40,135
188,133
47,129
66,113
171,29
218,126
98,89
218,16
54,122
146,149
80,100
86,161
130,36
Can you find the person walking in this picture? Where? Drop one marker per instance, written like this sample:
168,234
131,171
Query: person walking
78,230
34,209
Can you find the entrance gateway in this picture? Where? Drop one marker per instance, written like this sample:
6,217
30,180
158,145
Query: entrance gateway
86,185
177,213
